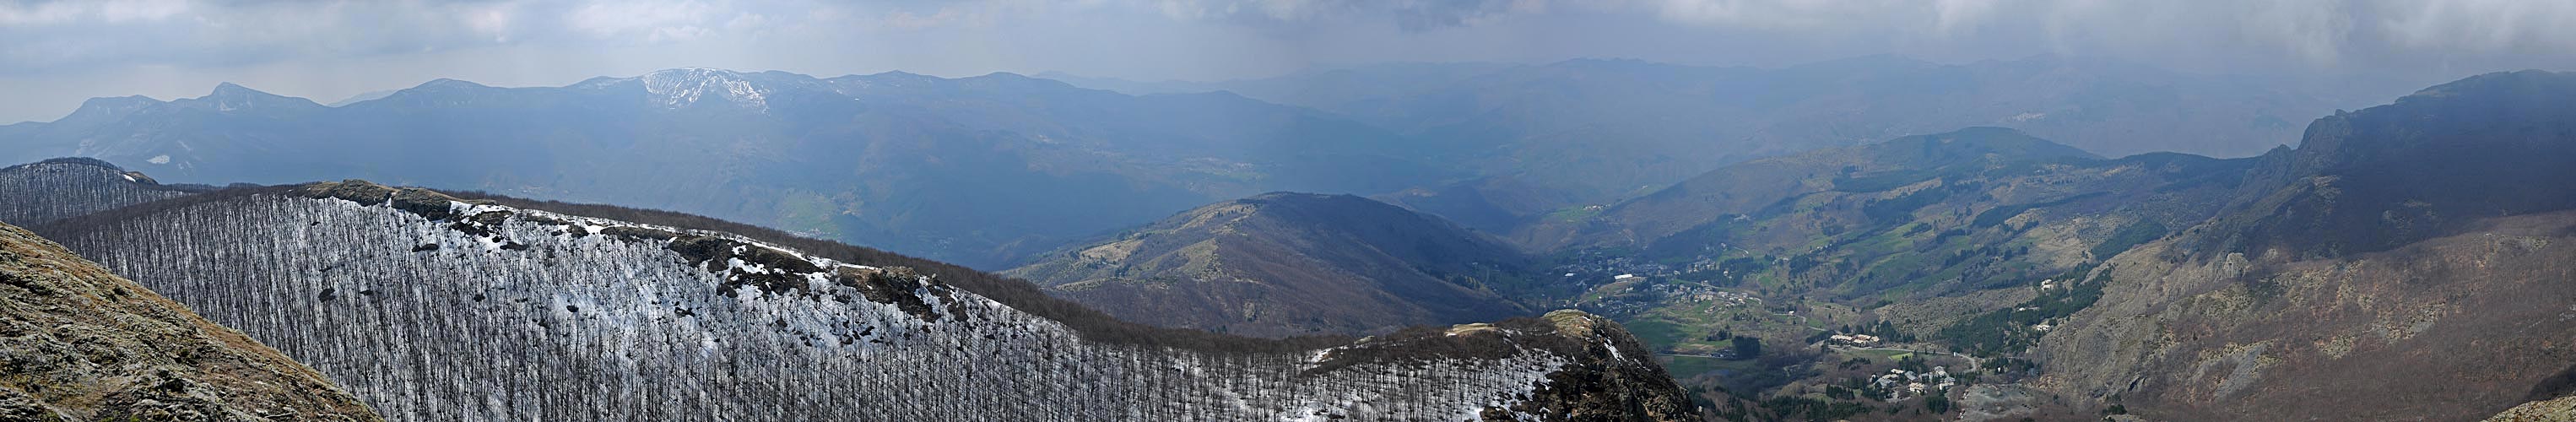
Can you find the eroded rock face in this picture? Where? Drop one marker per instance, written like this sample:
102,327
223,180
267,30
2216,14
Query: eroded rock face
79,343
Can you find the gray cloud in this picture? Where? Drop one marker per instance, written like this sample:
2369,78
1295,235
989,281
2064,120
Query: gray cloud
1407,15
58,52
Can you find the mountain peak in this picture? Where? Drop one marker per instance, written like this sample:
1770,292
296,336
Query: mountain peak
450,83
692,73
2473,104
2527,82
108,108
228,97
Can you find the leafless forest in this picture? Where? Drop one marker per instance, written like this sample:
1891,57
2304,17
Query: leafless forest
508,314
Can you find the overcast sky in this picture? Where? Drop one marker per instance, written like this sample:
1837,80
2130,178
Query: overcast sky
54,54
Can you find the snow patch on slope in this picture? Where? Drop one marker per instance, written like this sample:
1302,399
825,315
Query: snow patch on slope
685,87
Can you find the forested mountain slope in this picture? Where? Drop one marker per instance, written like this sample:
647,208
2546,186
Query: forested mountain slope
1917,217
79,343
432,308
2413,260
71,187
1292,263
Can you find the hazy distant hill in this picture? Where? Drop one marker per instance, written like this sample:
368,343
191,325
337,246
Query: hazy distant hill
976,170
1928,216
1594,131
1291,263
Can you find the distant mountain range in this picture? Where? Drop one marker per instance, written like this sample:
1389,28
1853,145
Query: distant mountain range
1588,132
1031,164
978,170
1283,264
2429,242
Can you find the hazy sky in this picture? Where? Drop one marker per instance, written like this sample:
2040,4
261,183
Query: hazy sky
54,54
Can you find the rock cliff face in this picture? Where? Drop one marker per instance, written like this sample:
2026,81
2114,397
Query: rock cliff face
2409,261
2562,409
74,186
1283,264
434,308
79,343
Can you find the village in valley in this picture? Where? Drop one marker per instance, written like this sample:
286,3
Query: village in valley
1716,337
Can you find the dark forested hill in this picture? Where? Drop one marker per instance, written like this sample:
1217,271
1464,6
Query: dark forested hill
80,343
974,170
1291,263
430,307
41,192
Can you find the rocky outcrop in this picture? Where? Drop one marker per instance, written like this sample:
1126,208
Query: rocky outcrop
79,343
522,314
2471,323
1608,378
2562,409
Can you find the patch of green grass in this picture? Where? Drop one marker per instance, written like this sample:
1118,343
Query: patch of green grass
1657,333
2129,236
1876,355
1688,366
810,213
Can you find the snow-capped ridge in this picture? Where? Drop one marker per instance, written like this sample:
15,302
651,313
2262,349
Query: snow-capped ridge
692,86
743,263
